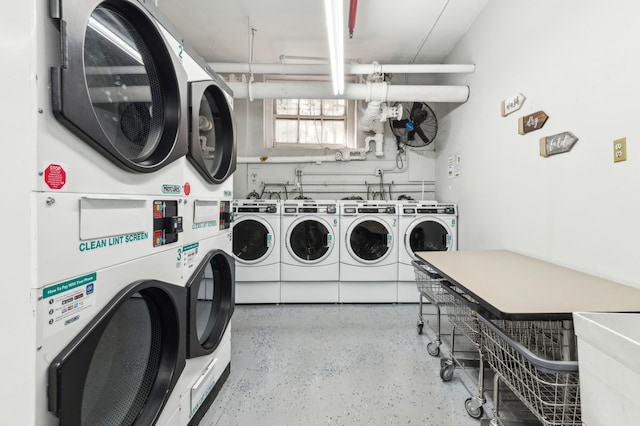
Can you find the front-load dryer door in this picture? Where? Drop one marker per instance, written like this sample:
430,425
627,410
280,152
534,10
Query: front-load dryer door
369,240
427,235
120,86
122,366
310,240
253,240
212,144
211,296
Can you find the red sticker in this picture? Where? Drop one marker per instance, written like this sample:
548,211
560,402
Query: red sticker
54,176
186,188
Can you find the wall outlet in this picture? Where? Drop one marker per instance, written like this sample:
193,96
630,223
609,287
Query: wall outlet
620,150
377,172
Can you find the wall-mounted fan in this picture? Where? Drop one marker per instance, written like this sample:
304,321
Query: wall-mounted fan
417,125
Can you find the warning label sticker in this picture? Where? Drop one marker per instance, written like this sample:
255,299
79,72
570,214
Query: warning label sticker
68,302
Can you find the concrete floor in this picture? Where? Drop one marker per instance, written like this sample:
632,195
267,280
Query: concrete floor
336,365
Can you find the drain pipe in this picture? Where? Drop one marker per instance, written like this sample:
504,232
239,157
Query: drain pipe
370,91
373,120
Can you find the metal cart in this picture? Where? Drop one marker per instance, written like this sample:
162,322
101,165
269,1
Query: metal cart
537,361
428,283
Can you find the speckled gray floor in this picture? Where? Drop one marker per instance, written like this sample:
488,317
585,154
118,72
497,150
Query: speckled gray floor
335,365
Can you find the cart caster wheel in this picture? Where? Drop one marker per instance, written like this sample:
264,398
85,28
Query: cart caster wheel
433,349
446,372
420,327
472,410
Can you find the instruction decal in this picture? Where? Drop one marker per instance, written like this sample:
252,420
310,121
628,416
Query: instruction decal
66,303
189,255
85,246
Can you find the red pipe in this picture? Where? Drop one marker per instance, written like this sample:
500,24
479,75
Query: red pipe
352,17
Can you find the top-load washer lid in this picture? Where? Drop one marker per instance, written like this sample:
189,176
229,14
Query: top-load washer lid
211,296
120,86
212,145
121,368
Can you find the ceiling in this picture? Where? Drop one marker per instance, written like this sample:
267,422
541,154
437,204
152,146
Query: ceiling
389,32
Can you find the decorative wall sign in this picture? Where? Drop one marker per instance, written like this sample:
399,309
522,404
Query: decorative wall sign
557,144
532,122
512,104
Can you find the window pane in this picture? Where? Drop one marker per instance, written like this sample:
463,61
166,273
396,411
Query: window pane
310,107
310,131
287,106
286,130
333,107
333,132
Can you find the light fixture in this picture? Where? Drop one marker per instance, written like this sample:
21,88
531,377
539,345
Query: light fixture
335,35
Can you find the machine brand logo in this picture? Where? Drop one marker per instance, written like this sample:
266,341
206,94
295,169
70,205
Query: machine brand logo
171,189
227,193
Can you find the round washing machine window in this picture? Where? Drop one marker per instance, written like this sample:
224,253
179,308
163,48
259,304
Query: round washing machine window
369,240
252,241
310,240
123,90
211,299
212,148
428,235
122,366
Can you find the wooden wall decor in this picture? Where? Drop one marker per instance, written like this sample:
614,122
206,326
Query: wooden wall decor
511,104
557,144
532,122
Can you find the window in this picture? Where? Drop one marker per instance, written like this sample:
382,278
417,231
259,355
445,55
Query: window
310,123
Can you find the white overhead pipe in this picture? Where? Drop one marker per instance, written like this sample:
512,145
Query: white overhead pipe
325,69
344,155
381,92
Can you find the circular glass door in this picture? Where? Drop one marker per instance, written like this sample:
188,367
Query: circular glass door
428,235
309,240
121,89
211,298
212,149
252,241
369,240
121,367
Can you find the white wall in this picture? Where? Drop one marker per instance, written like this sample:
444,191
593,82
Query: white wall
579,62
331,180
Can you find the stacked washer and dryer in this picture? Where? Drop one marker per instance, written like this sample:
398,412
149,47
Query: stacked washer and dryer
132,280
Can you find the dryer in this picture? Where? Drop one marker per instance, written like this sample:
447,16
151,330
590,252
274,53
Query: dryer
256,248
118,93
310,252
368,251
423,226
94,366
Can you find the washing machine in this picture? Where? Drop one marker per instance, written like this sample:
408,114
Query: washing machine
310,256
112,343
368,252
256,248
423,226
114,117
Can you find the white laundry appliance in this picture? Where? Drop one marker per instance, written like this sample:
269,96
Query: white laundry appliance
208,273
310,254
111,343
118,92
256,248
368,252
423,226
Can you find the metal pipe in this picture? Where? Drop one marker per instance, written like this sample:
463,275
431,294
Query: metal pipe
325,69
369,92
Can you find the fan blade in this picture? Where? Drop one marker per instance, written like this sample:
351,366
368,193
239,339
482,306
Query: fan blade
422,136
399,124
420,117
415,110
411,134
